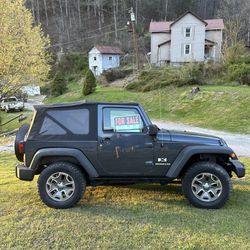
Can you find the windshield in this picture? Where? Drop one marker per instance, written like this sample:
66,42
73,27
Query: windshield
145,115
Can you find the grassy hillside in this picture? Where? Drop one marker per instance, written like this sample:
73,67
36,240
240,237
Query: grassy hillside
217,107
5,117
127,217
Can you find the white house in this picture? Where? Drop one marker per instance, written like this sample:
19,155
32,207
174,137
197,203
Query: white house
103,58
187,39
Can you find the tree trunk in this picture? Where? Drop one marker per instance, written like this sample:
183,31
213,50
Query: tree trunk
53,7
38,11
115,21
66,8
166,10
33,9
88,9
99,16
79,11
46,12
61,10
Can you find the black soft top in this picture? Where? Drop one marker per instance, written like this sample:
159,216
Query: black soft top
77,104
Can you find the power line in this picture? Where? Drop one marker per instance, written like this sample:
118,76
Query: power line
85,38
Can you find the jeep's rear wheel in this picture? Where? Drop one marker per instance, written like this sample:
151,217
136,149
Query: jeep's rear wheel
61,185
207,185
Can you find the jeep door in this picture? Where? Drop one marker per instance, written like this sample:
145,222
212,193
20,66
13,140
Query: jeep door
124,146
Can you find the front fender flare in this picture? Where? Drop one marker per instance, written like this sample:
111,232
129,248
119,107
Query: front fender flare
71,152
189,151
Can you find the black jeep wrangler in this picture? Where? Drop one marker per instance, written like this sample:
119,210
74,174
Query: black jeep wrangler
88,143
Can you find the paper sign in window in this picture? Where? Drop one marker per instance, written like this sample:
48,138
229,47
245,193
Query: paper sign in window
128,123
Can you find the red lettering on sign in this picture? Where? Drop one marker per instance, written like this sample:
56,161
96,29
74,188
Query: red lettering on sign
120,121
128,120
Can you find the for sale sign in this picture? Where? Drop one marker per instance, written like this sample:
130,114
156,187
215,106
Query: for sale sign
128,123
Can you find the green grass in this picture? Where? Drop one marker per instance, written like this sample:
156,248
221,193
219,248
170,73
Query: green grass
128,217
216,107
15,123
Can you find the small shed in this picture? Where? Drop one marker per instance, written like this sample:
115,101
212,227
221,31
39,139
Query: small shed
103,58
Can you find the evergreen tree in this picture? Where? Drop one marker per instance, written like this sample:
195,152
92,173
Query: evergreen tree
89,83
58,85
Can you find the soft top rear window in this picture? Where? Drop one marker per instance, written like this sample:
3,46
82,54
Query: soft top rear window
60,122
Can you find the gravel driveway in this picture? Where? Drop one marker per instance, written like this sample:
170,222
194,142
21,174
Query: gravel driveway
36,100
240,143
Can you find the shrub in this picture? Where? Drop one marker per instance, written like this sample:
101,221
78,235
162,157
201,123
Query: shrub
240,72
114,74
58,85
89,83
45,89
71,65
157,78
233,53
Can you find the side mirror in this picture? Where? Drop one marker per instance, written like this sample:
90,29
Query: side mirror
152,130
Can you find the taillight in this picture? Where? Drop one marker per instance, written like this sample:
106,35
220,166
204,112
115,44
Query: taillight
21,147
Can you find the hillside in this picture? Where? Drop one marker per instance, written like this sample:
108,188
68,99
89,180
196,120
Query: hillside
216,107
78,24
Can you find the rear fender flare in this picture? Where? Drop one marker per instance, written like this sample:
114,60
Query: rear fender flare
189,151
71,152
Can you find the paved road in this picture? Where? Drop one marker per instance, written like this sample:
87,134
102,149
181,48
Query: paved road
240,143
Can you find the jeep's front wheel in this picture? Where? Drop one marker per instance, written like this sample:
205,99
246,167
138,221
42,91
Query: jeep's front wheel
61,185
207,185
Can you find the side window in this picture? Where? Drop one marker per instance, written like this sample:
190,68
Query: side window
122,120
49,127
76,121
61,122
187,49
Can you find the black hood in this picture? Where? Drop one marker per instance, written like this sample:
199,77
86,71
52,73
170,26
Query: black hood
189,137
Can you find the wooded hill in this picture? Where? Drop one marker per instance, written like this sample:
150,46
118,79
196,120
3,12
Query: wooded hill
75,25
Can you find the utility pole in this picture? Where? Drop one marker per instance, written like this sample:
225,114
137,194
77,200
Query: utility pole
135,41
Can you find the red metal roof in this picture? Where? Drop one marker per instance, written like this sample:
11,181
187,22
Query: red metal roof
163,26
214,24
159,26
109,50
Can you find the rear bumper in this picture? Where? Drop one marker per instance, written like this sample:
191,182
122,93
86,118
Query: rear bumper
24,173
238,168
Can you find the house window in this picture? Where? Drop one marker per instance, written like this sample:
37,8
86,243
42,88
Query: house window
94,58
187,49
188,32
110,58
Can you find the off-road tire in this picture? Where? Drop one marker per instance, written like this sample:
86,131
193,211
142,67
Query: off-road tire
217,171
67,168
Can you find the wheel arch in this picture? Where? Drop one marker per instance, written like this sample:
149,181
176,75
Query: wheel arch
74,156
192,154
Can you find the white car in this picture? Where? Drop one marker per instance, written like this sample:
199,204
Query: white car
11,103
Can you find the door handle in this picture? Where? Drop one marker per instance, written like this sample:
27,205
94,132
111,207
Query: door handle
106,139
